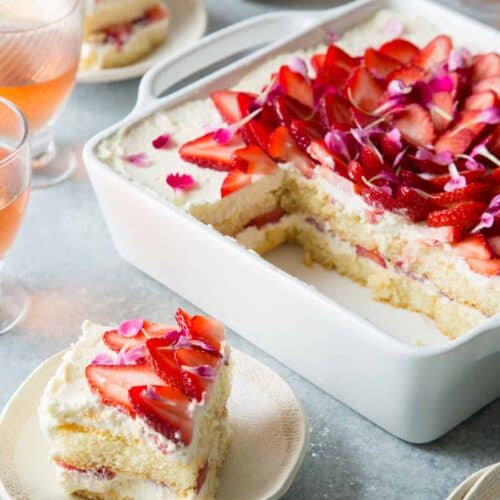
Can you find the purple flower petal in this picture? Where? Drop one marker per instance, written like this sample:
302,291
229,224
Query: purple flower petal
459,58
487,220
162,141
394,28
332,37
131,327
494,206
181,182
490,116
441,158
102,359
140,160
150,393
456,181
395,137
336,142
298,65
132,356
204,371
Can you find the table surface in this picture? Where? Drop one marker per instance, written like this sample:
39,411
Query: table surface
66,259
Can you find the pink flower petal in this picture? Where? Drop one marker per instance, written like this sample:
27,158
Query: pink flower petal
132,356
336,142
298,65
441,158
459,58
456,181
204,371
395,137
397,87
102,359
332,37
490,116
182,182
162,141
441,84
138,159
223,135
487,221
394,28
131,327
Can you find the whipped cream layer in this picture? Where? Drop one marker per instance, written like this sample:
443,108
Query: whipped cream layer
197,117
68,400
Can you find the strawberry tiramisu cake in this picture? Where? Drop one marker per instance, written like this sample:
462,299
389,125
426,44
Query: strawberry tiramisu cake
139,411
377,152
119,32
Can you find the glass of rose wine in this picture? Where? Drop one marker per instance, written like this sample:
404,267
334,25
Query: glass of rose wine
40,43
15,180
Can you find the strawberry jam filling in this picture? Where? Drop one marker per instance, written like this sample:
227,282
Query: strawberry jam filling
101,474
415,131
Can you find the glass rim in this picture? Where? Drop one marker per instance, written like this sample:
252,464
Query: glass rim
24,138
43,26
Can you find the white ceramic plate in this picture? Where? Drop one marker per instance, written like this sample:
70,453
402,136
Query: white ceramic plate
269,441
188,21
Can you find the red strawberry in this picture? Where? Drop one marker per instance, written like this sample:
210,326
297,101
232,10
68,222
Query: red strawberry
296,85
318,61
493,177
162,358
435,52
364,90
408,75
457,142
256,161
112,383
389,148
442,102
318,151
464,215
485,66
206,331
492,83
415,125
378,198
195,384
414,180
480,100
370,160
283,148
304,132
400,50
206,152
165,409
411,204
334,110
116,342
381,65
494,243
256,132
288,109
475,191
474,246
234,181
373,255
355,172
228,105
337,67
270,217
470,176
447,234
485,267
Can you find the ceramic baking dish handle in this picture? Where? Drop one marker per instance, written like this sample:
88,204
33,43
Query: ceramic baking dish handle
217,47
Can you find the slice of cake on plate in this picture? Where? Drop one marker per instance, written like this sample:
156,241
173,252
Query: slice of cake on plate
120,32
139,411
377,153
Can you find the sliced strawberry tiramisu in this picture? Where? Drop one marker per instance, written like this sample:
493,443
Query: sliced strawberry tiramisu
119,32
380,160
140,411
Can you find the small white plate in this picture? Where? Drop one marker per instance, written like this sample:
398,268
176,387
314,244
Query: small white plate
270,437
187,23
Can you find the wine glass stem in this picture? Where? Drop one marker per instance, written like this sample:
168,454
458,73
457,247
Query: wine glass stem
43,148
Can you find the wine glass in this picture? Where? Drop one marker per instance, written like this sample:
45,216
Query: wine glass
40,45
15,177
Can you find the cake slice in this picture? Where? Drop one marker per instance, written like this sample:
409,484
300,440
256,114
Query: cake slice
120,32
140,411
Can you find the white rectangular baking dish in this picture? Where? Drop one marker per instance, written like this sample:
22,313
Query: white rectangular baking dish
416,393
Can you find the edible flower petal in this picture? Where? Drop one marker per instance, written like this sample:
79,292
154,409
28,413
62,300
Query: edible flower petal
132,356
131,327
204,371
181,182
394,28
140,160
441,158
102,359
336,142
456,181
459,58
162,141
224,135
332,37
298,65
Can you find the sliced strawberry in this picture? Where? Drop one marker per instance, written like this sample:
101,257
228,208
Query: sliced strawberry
334,110
304,132
476,191
161,354
492,83
288,109
234,181
283,148
256,160
466,215
206,332
493,177
485,66
112,382
412,179
441,180
494,244
317,62
318,151
116,342
457,142
474,246
373,255
408,75
337,67
442,105
378,198
485,267
257,132
296,86
183,319
415,125
435,52
270,217
447,234
480,100
194,383
370,160
165,409
389,148
411,204
355,172
400,50
364,90
157,13
381,65
228,105
206,152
